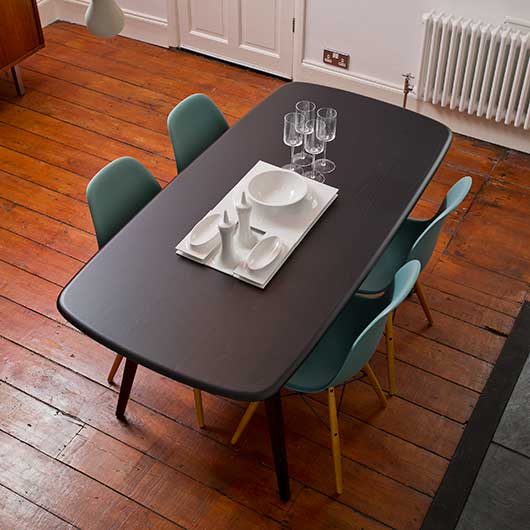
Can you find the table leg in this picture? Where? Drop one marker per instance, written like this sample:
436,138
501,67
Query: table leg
273,407
17,79
126,384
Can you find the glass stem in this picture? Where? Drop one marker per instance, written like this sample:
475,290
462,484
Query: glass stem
324,152
313,166
292,155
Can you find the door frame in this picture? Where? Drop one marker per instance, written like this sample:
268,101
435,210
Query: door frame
173,31
299,38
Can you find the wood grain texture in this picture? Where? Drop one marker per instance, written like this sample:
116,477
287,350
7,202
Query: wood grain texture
67,493
25,33
17,512
157,486
67,462
55,234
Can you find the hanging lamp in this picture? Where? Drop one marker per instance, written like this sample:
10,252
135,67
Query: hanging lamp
104,18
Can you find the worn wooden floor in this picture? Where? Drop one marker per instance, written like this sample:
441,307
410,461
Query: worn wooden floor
65,461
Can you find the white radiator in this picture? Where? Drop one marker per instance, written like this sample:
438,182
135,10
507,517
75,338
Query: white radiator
476,68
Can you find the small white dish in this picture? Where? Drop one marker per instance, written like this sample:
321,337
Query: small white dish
205,232
264,253
277,188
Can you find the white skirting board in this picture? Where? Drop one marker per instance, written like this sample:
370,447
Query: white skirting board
47,12
138,26
496,133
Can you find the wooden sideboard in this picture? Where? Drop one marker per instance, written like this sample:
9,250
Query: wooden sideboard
20,35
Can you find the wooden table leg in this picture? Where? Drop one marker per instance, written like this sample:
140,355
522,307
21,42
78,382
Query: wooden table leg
126,384
17,79
273,407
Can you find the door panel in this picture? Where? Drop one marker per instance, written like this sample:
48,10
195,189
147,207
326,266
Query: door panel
254,33
208,19
259,25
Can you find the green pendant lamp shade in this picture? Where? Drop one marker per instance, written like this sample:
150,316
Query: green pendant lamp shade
104,18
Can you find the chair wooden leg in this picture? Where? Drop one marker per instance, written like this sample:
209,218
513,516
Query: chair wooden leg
198,407
115,365
423,302
389,338
375,383
126,384
335,438
251,409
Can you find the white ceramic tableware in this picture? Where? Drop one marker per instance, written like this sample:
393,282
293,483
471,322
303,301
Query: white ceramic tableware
277,188
246,238
229,257
264,253
205,231
290,225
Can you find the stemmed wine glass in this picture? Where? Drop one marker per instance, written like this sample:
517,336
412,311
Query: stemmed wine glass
307,109
314,146
326,131
291,135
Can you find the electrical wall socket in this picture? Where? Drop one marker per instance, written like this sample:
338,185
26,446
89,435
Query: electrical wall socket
341,60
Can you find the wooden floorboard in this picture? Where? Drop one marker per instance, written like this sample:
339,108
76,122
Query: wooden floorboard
17,512
66,462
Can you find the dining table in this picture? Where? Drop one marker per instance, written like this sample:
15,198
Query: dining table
212,332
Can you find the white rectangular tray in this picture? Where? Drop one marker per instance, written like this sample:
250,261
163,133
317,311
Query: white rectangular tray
290,224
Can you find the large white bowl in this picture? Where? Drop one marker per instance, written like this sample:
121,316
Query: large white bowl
277,187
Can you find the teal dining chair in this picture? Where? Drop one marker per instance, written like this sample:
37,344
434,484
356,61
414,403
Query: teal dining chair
115,195
193,125
344,350
414,240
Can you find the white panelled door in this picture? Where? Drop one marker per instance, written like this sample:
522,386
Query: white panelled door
256,33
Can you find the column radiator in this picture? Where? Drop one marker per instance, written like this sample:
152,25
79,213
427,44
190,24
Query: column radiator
476,68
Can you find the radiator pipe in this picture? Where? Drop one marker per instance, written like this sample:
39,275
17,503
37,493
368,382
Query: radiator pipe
407,87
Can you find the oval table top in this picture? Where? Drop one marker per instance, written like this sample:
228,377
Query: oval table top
215,333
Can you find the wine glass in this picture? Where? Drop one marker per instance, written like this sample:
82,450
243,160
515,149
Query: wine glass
314,146
307,109
326,131
291,136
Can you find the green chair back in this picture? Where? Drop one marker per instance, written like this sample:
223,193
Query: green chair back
366,343
424,246
352,338
117,193
193,125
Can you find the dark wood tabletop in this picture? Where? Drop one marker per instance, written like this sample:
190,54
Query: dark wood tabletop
215,333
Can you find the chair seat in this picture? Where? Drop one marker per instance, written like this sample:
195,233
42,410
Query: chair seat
395,256
327,357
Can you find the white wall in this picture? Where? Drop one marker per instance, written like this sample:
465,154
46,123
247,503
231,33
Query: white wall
152,21
384,40
384,37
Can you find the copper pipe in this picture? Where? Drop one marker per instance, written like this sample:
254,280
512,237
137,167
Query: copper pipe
407,87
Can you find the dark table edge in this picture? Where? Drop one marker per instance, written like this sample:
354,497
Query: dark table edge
451,497
264,393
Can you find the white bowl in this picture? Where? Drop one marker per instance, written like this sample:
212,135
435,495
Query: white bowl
277,187
205,231
264,253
